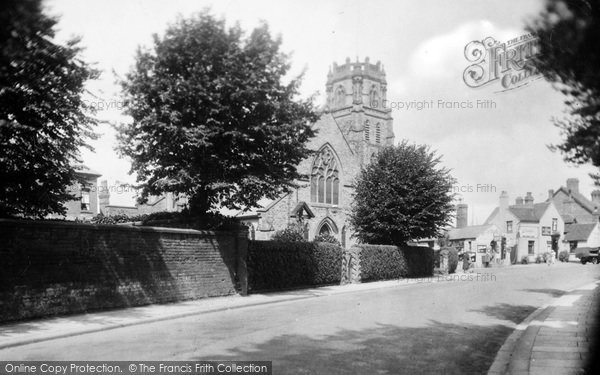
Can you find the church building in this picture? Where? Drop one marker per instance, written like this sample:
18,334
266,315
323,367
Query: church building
354,124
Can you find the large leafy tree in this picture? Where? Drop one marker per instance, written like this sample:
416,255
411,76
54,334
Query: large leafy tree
43,119
212,118
569,34
402,194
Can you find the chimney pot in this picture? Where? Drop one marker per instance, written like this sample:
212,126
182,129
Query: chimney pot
573,185
529,199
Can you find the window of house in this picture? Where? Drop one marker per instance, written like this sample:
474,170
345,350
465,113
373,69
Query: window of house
573,246
481,248
554,224
85,200
530,247
509,227
325,178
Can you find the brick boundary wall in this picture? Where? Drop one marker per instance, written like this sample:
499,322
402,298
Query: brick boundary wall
50,268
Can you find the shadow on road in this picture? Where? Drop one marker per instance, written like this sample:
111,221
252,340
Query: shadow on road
552,292
437,348
504,311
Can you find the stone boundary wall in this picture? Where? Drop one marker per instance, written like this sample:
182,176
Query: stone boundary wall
49,268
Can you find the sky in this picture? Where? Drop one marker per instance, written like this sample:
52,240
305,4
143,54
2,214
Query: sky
500,145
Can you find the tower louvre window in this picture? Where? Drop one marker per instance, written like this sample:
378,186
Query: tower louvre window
367,131
377,133
325,183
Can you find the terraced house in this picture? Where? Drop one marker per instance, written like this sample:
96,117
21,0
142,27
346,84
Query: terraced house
353,126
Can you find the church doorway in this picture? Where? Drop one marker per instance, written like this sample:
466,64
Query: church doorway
325,230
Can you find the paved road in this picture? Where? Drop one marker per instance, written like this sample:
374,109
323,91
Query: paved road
446,327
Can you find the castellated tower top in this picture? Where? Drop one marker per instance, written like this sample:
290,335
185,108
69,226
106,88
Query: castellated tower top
350,69
356,84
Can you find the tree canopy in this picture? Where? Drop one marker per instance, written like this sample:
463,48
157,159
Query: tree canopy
569,36
212,117
401,195
43,119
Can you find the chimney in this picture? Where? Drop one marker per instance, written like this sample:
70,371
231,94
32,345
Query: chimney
519,201
462,210
551,194
103,196
573,185
504,200
529,199
596,196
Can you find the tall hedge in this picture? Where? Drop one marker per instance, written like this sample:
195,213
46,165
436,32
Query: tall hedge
382,262
279,265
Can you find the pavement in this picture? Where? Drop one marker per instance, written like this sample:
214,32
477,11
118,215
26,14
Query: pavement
28,332
554,339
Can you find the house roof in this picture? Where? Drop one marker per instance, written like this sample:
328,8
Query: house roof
529,213
579,232
578,198
472,231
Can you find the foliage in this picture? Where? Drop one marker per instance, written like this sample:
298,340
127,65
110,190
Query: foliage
116,219
327,238
452,260
43,119
563,256
289,234
525,259
402,195
569,35
539,258
208,221
383,262
547,256
212,118
280,265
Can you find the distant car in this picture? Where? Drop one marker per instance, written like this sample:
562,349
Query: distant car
587,254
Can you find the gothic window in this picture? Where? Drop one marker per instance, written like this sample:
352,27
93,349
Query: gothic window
367,131
374,98
340,96
325,178
377,133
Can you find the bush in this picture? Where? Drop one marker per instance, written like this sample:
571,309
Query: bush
383,262
525,260
289,234
279,265
208,221
563,256
452,260
539,258
546,257
328,238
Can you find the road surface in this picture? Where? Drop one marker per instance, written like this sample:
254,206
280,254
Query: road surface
453,326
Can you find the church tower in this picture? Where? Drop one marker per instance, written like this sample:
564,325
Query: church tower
356,98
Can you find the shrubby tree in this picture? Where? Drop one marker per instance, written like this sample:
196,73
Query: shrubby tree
402,195
569,34
212,118
43,119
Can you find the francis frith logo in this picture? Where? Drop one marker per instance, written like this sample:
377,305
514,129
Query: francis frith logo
508,64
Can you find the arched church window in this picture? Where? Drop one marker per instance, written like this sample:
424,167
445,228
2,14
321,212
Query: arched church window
374,98
367,131
340,96
325,178
378,133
